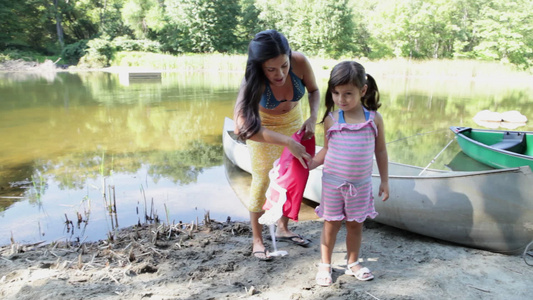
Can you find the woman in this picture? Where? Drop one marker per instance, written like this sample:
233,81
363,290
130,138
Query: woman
267,113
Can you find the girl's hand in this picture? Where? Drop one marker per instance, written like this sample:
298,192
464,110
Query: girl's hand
313,164
298,151
309,128
384,190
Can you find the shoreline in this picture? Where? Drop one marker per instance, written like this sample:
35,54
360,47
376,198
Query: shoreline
213,261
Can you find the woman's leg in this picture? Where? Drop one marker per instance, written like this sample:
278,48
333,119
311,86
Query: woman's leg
282,230
258,247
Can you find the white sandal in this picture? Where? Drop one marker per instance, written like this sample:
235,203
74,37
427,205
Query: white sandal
359,274
323,278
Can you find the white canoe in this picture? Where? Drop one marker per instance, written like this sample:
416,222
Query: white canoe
490,210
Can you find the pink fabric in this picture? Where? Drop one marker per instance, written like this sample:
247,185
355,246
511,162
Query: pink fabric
292,177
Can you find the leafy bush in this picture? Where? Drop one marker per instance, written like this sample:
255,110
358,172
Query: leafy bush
124,43
72,53
98,54
93,60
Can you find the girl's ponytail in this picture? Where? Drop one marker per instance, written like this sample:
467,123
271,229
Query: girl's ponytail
371,98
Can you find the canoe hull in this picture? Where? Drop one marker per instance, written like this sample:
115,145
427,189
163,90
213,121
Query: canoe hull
484,210
489,210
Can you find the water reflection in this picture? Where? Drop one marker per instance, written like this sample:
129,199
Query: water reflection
69,138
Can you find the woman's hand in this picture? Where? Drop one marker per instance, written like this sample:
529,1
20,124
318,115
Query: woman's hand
298,151
309,128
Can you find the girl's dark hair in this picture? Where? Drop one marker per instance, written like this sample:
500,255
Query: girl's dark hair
351,72
266,45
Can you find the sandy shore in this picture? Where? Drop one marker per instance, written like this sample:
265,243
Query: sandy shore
213,261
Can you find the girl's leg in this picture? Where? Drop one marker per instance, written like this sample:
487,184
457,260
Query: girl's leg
354,235
327,243
328,239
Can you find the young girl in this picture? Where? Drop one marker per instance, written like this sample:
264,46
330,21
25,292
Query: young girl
353,134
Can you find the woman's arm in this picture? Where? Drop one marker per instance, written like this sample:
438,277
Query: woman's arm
303,67
237,109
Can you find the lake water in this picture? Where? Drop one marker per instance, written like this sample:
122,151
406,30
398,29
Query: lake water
113,152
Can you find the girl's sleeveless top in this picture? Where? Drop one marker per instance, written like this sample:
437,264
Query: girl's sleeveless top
351,148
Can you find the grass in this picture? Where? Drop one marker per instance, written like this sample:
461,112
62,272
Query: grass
441,68
26,56
207,62
435,68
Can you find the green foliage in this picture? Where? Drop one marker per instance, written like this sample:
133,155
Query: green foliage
496,30
111,21
24,25
247,25
99,53
321,27
124,43
505,32
14,54
201,25
143,16
72,53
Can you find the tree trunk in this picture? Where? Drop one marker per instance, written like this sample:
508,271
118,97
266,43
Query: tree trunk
59,27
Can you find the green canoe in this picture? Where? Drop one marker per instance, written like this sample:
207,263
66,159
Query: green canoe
496,148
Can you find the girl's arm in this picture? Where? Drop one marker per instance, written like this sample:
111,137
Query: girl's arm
382,158
313,94
321,155
268,136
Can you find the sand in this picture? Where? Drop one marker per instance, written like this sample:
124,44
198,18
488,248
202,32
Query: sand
213,261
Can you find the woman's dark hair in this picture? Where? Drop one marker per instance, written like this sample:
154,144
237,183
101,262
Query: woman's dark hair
266,45
351,72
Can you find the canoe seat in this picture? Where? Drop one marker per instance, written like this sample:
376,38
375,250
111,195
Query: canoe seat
512,141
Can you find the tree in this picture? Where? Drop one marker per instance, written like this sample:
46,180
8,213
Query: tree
59,27
202,25
505,32
248,24
332,28
143,16
24,25
323,27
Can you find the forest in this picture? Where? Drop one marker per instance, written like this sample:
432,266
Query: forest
92,31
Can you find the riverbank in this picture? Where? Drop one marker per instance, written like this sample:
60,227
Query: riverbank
471,70
20,65
213,261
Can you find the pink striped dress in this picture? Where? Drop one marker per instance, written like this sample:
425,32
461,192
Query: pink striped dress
347,173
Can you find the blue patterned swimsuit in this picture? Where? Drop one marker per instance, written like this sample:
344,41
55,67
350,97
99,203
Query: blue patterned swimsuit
268,100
